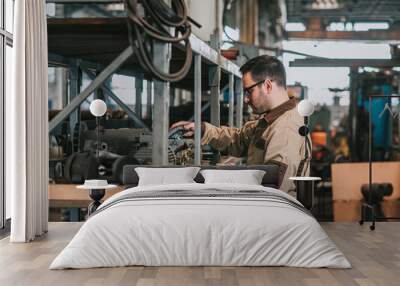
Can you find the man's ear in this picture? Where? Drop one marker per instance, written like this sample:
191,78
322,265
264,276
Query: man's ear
268,86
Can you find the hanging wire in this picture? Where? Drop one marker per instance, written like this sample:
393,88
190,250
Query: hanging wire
151,21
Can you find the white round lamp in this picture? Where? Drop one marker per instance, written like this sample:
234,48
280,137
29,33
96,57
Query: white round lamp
98,107
305,108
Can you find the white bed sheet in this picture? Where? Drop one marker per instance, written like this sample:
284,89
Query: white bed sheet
200,231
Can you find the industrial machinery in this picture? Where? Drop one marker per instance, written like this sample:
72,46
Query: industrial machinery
118,147
384,129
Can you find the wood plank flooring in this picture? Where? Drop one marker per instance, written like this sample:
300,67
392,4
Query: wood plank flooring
375,257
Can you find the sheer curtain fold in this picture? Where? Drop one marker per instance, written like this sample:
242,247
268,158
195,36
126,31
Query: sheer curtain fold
27,122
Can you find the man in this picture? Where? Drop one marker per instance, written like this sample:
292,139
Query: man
274,137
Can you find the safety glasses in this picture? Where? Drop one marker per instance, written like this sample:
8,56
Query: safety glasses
248,90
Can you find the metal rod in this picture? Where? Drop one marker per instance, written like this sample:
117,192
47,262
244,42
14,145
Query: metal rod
231,98
98,137
149,107
139,93
75,75
370,150
99,80
197,109
385,96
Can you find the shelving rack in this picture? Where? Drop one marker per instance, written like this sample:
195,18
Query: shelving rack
102,45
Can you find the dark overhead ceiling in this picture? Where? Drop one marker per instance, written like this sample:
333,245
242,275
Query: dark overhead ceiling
348,10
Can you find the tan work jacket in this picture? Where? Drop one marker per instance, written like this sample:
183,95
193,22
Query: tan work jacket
273,138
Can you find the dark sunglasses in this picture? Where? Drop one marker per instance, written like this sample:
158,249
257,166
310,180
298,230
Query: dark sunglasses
248,90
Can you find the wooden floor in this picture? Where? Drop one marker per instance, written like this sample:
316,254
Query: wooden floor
375,257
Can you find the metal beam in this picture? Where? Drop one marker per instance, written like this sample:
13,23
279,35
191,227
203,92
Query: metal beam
211,56
317,62
231,98
75,76
57,60
239,104
149,107
371,35
139,93
353,114
131,114
161,58
214,79
197,109
111,68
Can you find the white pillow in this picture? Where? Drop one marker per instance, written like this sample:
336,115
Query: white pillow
166,176
248,177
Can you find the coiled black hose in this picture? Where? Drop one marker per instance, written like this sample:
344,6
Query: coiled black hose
155,25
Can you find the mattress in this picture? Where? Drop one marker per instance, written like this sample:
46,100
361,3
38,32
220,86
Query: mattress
201,225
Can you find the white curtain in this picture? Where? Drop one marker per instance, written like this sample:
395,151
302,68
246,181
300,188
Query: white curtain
27,123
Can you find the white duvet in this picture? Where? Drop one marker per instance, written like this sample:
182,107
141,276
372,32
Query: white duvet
200,231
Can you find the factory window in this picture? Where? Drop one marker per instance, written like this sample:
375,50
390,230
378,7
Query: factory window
6,42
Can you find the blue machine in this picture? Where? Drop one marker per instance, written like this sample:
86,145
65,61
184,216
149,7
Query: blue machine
381,121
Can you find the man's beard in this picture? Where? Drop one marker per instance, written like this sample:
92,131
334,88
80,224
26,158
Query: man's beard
258,110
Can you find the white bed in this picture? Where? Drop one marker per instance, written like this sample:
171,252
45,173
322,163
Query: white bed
185,230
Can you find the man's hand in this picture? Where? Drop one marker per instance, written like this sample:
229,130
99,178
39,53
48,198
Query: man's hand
188,126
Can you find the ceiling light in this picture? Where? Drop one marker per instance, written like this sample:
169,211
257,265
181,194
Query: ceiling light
324,5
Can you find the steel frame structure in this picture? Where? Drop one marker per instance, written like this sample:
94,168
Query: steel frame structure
203,54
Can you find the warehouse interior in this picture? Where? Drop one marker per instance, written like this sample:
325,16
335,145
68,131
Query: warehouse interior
343,56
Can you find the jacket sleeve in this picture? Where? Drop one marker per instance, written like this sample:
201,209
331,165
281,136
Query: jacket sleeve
286,148
234,140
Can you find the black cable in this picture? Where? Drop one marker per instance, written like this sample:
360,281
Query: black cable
155,25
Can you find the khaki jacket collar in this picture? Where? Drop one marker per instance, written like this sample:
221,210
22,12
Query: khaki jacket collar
274,114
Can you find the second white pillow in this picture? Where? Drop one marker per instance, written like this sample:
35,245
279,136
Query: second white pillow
248,177
165,176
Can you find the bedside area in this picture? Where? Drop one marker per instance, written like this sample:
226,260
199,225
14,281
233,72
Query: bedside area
68,203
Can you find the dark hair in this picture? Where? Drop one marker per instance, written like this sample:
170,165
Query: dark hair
262,67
